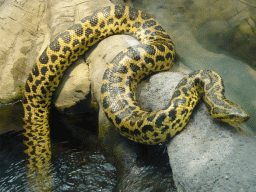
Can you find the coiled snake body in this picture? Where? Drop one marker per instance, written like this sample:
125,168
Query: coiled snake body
128,68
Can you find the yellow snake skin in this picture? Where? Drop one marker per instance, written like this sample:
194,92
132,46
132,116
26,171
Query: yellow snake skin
128,68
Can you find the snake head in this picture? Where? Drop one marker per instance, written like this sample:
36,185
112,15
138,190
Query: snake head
237,115
233,115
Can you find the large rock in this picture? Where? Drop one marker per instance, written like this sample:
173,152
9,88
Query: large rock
208,155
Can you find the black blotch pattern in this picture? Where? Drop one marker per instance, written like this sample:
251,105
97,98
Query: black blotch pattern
124,21
40,111
149,60
147,128
177,102
75,42
159,58
136,132
76,50
34,88
44,58
148,24
102,24
63,63
119,11
132,123
110,21
139,123
159,28
87,18
44,70
122,69
133,14
160,47
28,108
106,103
170,46
54,58
176,93
91,39
172,114
168,56
185,111
130,95
55,46
150,50
38,82
94,19
146,138
121,103
163,130
118,120
145,16
43,90
197,81
160,119
88,32
128,81
51,68
164,35
147,32
27,88
134,67
51,77
168,137
124,129
137,25
117,79
35,71
151,118
78,29
182,82
65,36
104,88
66,49
185,91
30,98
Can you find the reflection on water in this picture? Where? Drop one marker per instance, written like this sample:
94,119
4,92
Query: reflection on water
76,168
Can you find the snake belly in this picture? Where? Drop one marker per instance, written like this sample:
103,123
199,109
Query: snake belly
128,68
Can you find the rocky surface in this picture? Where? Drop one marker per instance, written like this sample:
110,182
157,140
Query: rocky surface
208,155
212,156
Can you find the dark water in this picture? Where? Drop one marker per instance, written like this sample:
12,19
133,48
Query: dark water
77,162
76,168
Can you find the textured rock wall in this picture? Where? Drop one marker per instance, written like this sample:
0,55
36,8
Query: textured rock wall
22,30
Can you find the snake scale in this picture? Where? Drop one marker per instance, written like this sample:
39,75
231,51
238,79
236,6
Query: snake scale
155,53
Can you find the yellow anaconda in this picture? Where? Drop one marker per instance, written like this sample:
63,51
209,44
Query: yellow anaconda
128,68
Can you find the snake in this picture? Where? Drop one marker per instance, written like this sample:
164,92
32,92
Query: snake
155,53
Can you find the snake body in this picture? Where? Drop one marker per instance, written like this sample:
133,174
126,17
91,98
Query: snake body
128,68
